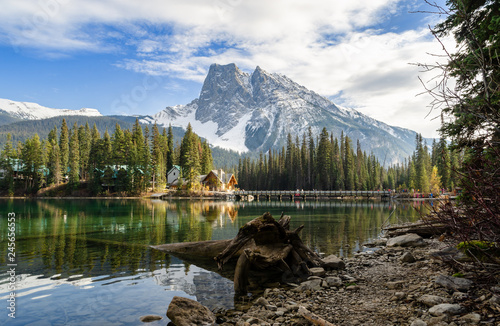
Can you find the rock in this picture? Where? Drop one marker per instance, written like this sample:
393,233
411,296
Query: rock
376,243
261,302
395,285
317,271
333,281
471,319
400,295
314,285
460,296
333,262
271,307
418,322
242,323
432,300
408,258
352,288
256,321
187,312
454,283
449,254
406,240
495,301
446,309
150,318
439,321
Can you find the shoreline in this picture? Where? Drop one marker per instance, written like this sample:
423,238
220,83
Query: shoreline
392,285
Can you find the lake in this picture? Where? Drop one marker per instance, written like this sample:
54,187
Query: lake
88,262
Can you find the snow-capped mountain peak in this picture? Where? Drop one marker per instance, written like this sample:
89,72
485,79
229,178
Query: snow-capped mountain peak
256,112
34,111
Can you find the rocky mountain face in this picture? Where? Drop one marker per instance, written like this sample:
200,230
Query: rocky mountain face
33,111
256,112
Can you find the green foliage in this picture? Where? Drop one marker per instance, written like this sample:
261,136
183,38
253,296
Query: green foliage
477,249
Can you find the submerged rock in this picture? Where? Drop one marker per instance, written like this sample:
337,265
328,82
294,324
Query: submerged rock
150,318
187,312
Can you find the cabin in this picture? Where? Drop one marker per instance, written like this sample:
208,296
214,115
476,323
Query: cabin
173,175
219,180
18,170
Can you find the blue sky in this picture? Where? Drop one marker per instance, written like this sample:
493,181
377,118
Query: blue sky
137,57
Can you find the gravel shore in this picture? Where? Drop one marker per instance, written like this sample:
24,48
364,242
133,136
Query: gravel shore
390,285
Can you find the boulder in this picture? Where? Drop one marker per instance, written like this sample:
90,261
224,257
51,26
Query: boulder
446,309
406,240
187,312
432,300
454,283
333,262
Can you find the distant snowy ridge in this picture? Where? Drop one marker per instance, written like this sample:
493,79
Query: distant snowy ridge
34,111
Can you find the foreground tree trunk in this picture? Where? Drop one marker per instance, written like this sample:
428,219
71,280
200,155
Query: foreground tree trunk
262,244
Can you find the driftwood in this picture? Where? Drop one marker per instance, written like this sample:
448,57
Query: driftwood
424,229
262,244
315,319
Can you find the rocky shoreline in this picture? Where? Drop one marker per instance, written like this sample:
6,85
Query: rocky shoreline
403,281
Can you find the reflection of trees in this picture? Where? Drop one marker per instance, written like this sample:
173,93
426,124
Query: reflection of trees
102,237
337,227
95,237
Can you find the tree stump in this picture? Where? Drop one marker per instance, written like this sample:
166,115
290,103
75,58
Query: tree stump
261,244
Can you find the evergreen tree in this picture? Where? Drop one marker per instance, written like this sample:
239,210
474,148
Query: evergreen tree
206,164
190,160
64,147
349,168
170,148
31,156
74,157
323,161
6,161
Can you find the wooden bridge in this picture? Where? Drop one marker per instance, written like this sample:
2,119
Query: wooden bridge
312,194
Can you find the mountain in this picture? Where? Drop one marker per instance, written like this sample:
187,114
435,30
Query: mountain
16,111
255,112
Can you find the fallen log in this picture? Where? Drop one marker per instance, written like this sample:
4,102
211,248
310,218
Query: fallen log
424,229
263,244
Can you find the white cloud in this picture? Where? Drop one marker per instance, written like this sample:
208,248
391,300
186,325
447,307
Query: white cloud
328,46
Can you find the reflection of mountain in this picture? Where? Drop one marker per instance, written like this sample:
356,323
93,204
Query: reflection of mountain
209,288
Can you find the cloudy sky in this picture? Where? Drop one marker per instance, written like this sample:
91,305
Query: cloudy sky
136,57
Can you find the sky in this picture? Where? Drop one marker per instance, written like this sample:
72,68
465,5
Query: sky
138,57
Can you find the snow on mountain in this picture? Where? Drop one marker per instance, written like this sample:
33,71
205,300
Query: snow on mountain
34,111
256,112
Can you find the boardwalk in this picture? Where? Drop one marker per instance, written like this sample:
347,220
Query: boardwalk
312,194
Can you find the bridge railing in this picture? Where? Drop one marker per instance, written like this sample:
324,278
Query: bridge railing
329,193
